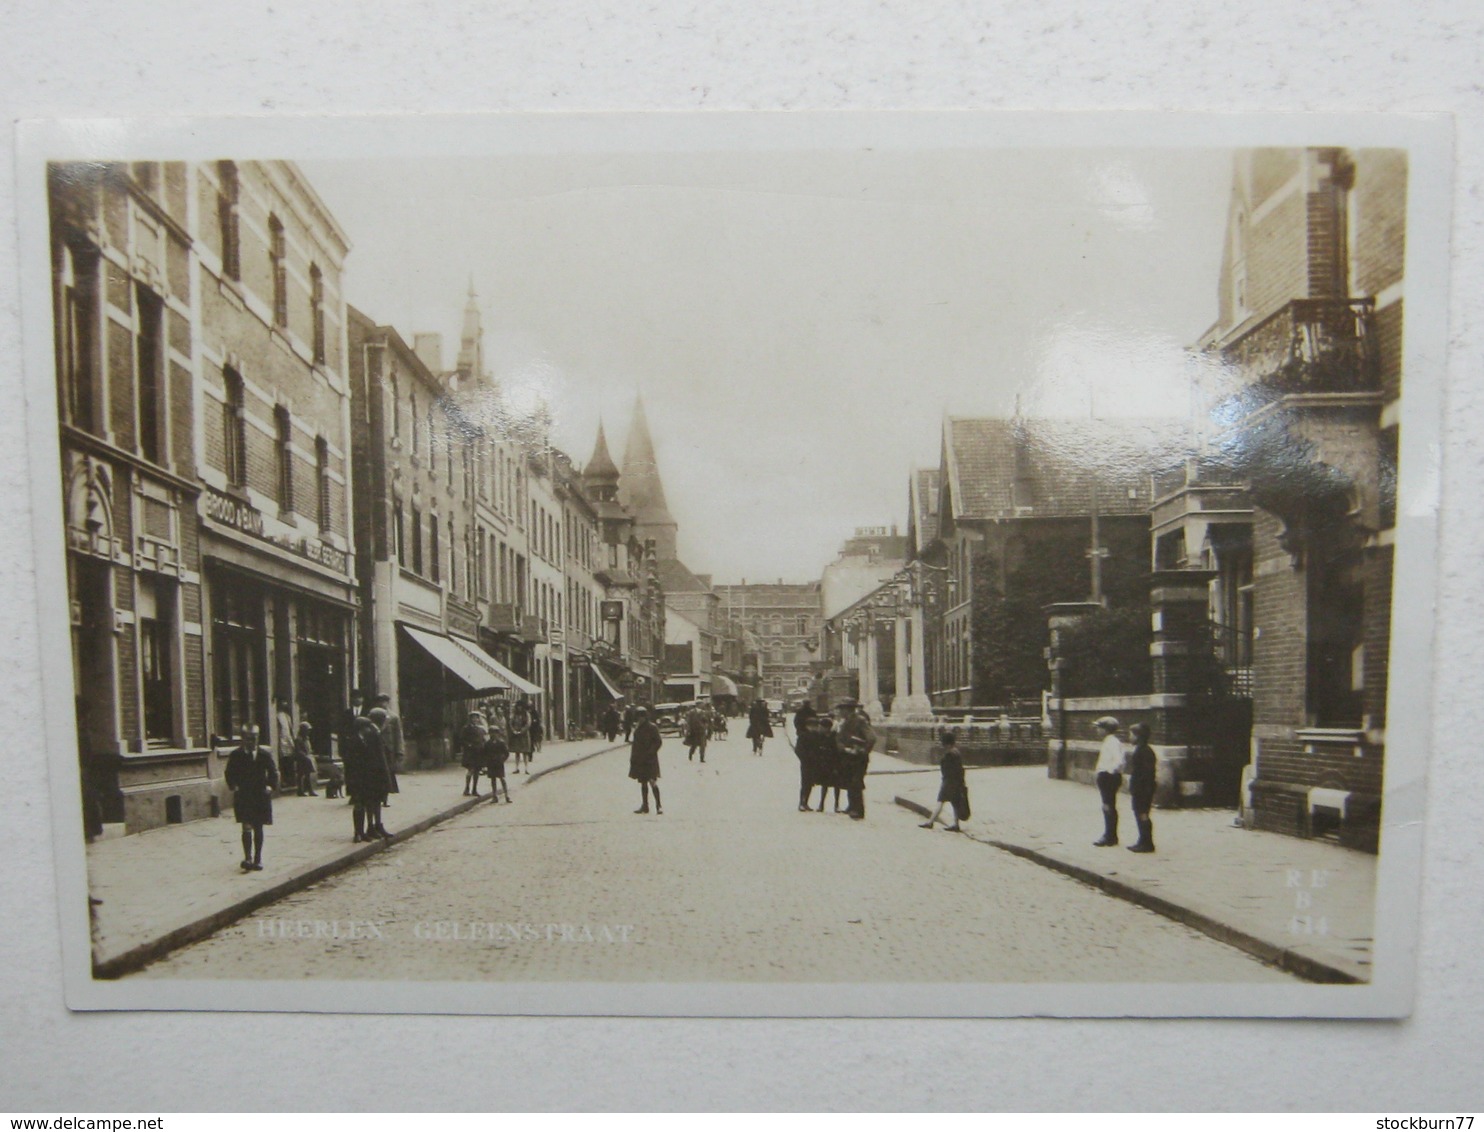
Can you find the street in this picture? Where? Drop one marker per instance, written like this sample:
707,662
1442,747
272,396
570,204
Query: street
730,883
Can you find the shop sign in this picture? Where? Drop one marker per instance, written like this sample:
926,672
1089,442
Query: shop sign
235,513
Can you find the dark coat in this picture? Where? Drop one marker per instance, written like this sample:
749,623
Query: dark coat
802,717
473,740
610,722
252,778
496,752
644,754
818,759
955,788
367,779
758,725
519,731
1141,766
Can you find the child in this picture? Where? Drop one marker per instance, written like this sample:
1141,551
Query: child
954,790
472,741
497,751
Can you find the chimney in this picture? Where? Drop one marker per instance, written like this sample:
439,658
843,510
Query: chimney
429,350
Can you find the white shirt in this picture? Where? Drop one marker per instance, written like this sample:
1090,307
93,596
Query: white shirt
1110,756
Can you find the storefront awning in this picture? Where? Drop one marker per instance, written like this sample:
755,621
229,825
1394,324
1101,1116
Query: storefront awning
725,686
519,683
447,652
483,673
607,683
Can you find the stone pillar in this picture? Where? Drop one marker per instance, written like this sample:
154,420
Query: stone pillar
1180,651
899,654
917,702
1060,616
870,681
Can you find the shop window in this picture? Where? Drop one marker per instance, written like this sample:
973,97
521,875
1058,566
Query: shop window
228,193
239,647
278,261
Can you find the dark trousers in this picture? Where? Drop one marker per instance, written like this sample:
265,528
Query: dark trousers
1143,799
1108,785
855,790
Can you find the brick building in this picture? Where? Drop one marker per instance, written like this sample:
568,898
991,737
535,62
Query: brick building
204,427
787,621
1310,321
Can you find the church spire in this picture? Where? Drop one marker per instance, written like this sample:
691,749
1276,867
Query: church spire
642,491
471,341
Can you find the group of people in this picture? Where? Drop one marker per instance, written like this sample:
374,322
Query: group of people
1139,763
487,741
371,750
834,753
613,720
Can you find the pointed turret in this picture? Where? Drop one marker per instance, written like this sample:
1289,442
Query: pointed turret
471,341
641,490
601,473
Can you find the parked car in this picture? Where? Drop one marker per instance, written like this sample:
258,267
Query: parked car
667,717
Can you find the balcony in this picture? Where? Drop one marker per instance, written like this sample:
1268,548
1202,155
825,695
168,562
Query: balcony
1310,346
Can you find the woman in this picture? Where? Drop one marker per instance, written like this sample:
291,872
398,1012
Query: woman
381,717
366,779
1141,764
518,730
538,732
954,790
473,739
817,756
644,760
304,772
759,727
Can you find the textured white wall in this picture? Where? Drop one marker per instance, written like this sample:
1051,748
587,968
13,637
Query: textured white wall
351,56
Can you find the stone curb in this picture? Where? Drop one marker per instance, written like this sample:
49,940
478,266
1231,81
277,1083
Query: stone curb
1304,966
141,955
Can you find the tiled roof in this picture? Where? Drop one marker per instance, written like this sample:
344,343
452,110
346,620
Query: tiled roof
925,505
676,578
1002,468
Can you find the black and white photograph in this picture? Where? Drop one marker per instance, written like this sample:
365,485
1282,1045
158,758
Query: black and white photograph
868,565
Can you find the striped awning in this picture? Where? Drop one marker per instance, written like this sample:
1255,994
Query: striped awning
472,665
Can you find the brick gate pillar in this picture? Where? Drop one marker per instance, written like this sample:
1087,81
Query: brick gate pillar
1180,654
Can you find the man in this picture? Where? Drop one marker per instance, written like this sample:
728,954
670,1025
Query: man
252,778
630,717
1109,773
697,730
801,719
1142,764
610,723
283,743
759,726
856,739
391,737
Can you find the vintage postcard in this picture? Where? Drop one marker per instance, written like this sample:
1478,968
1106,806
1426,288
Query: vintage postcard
854,564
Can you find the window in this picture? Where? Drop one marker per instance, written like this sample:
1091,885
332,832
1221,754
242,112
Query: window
77,330
412,419
479,564
278,255
396,408
397,535
234,427
228,193
317,311
150,368
285,425
417,541
322,480
434,564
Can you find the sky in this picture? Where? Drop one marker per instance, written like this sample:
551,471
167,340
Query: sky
798,323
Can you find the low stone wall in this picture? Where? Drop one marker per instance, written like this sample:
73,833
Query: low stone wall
981,744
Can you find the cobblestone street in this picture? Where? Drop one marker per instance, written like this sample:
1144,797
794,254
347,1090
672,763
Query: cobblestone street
730,883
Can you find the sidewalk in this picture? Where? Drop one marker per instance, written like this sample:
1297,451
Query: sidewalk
1306,906
168,887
